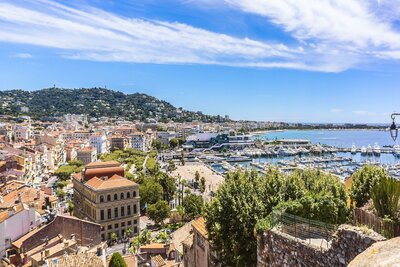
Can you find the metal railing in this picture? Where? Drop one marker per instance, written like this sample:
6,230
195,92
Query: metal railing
311,231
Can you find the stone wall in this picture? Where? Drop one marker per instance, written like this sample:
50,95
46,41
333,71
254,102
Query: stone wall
275,248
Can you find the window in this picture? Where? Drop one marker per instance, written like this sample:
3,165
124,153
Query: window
102,215
134,209
129,222
134,193
122,224
122,211
101,199
135,230
115,196
108,197
102,228
115,212
109,227
122,196
102,237
128,195
109,213
134,221
116,226
128,210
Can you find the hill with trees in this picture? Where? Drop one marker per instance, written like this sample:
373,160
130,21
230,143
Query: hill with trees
95,102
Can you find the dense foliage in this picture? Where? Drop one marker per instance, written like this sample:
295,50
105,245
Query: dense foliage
117,260
159,211
245,199
103,102
363,182
193,206
385,196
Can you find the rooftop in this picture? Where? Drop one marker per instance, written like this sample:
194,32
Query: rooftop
200,226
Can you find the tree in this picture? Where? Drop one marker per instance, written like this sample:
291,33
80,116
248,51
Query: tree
385,196
193,206
129,232
171,166
64,172
113,237
363,182
60,193
196,178
70,207
150,192
202,184
162,236
117,260
245,199
158,212
168,184
173,143
75,162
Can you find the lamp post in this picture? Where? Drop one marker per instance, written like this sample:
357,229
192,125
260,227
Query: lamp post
393,128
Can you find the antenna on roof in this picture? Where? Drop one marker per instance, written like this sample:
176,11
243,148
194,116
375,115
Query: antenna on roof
54,86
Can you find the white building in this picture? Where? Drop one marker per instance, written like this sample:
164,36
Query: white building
15,223
138,141
22,132
99,142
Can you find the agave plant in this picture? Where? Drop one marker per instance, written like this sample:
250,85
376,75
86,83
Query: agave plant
385,196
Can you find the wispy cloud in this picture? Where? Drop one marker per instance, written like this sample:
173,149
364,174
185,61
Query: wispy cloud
364,112
336,110
345,32
22,55
332,35
92,34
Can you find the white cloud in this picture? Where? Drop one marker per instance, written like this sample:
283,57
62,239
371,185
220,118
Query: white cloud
364,113
23,55
332,35
336,110
93,34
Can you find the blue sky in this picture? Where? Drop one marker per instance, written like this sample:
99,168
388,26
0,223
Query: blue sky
287,60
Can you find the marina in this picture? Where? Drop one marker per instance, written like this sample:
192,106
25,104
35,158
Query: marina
290,154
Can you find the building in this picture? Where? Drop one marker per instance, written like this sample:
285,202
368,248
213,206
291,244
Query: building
61,236
86,154
14,223
138,141
103,195
197,253
119,142
99,142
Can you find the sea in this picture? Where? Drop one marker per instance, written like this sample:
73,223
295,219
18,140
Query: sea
337,138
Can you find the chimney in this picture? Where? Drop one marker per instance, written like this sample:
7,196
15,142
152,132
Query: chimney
19,198
37,194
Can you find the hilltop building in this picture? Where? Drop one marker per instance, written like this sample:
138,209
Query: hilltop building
103,195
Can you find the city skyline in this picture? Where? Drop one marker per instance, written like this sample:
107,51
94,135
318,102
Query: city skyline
214,56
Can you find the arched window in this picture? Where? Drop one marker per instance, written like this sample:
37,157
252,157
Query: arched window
108,197
115,196
101,198
134,193
122,196
128,195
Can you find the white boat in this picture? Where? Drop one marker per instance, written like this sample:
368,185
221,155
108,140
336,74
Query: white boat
377,150
396,150
363,150
353,149
369,150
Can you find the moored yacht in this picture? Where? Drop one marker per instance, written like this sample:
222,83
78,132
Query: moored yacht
369,150
377,150
396,150
353,149
363,150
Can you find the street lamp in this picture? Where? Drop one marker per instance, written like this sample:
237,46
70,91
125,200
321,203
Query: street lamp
393,128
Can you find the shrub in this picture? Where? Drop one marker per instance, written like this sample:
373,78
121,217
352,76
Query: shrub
117,260
386,196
